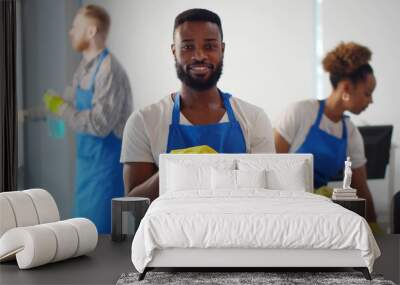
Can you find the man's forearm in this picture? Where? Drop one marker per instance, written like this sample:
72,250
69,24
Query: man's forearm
359,182
366,194
148,189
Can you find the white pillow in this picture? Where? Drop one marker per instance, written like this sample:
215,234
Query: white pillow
237,179
293,180
223,179
181,177
280,174
251,178
193,174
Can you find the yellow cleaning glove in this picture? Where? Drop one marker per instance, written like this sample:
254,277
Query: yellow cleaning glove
195,149
324,191
52,102
376,229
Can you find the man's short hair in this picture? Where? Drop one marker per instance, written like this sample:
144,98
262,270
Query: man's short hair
99,15
198,15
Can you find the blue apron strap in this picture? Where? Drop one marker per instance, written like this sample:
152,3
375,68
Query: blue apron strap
176,111
103,55
320,113
344,134
228,107
225,98
319,117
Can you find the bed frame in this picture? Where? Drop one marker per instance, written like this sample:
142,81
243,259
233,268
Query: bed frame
242,259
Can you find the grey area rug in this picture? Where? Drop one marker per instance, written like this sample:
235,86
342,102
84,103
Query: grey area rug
225,278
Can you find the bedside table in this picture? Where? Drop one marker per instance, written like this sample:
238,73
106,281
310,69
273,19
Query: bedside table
137,206
356,205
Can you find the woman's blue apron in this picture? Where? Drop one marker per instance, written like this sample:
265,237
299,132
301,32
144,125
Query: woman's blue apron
222,137
98,170
329,151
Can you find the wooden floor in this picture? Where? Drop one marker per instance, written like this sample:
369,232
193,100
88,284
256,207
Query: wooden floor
389,262
110,260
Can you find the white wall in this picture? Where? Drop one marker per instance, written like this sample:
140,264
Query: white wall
268,44
375,24
271,57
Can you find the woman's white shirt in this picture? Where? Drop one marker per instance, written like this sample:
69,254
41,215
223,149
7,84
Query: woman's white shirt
295,123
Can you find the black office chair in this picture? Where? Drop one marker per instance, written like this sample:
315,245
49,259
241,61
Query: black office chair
396,213
377,142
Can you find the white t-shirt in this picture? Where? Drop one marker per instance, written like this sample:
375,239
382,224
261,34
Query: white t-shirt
295,123
146,131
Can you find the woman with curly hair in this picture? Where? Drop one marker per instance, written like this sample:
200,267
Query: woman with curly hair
321,128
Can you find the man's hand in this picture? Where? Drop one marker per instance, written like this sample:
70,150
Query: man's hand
52,102
141,179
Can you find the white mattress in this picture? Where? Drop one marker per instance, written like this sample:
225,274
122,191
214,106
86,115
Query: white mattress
251,218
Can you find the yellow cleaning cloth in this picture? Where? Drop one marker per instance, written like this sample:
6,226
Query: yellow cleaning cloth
194,149
324,191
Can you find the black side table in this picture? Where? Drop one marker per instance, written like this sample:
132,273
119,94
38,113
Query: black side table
358,205
137,206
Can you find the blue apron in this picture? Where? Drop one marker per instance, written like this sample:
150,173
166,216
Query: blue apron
329,151
98,170
222,137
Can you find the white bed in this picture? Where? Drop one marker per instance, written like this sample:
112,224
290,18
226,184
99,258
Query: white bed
202,220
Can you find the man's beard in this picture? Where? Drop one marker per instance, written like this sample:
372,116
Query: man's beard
81,45
199,84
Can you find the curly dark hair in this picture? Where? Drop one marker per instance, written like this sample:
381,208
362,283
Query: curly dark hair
348,61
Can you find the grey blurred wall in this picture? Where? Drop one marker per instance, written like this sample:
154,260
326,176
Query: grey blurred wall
47,61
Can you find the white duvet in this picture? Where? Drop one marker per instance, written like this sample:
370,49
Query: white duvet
250,218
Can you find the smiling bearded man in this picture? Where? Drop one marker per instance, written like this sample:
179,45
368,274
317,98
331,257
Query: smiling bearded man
199,118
